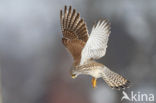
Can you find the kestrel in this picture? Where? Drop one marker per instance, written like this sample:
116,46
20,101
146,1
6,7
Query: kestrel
86,48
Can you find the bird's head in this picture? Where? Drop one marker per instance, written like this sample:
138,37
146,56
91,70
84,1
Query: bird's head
74,72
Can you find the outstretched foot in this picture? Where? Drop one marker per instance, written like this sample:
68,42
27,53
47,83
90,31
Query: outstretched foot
94,82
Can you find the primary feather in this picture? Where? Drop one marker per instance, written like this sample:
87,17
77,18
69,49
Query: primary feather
96,45
75,33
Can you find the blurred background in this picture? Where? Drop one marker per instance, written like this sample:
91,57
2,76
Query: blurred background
35,65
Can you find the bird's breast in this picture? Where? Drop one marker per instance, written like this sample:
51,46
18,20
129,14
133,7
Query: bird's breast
95,72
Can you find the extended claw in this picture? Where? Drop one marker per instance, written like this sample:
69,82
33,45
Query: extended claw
94,82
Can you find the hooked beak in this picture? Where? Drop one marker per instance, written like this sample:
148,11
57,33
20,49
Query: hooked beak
73,76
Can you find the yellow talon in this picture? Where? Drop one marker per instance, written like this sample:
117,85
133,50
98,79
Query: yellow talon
94,82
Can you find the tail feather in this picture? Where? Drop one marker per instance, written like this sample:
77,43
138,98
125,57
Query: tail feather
115,80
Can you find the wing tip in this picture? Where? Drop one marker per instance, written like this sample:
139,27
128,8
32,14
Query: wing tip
103,23
71,23
70,7
61,13
65,7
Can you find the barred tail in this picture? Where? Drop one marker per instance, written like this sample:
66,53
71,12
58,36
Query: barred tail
115,80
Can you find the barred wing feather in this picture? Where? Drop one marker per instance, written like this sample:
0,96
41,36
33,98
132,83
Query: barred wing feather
75,33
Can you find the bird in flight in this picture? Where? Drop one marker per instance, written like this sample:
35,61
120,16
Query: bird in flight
85,48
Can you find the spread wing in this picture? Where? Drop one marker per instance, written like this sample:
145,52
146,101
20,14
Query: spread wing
96,45
75,33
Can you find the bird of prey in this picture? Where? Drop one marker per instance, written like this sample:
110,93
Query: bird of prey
86,48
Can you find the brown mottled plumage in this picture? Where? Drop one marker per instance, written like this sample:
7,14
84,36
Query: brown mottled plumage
85,49
74,38
75,47
73,27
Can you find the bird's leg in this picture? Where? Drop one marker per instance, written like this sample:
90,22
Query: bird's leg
94,82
